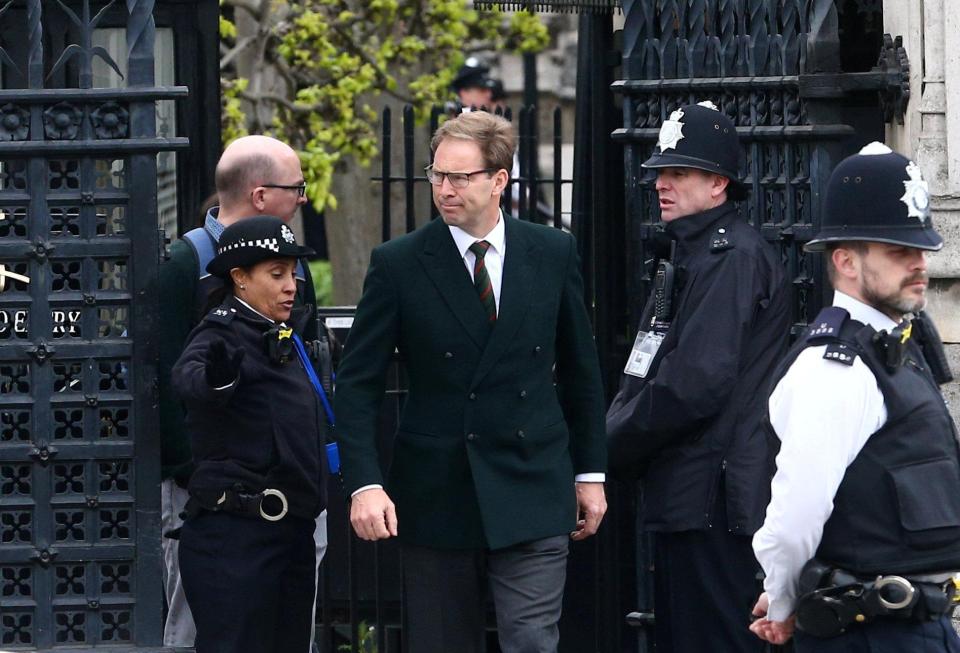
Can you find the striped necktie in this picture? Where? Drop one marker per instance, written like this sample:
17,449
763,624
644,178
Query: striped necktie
481,280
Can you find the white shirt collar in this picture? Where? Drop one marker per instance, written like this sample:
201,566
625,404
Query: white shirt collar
863,312
496,238
257,312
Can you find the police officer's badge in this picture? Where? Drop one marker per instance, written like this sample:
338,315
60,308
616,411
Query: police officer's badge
671,132
287,234
916,194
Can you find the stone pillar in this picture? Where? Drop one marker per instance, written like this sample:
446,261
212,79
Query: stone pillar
931,136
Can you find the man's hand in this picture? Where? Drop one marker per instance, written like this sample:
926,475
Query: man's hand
591,506
775,632
373,515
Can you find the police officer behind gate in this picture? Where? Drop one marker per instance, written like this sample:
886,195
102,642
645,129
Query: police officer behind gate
254,419
862,533
689,405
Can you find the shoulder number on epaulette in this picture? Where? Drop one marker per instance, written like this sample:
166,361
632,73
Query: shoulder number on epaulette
840,353
720,241
222,315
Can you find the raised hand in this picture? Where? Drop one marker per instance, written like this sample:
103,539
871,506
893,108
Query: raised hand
223,364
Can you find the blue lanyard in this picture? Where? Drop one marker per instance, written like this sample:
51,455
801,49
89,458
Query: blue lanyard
308,366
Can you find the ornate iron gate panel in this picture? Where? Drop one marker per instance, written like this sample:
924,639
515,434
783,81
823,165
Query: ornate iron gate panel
79,250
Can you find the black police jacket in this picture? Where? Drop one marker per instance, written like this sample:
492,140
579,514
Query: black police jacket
266,430
897,510
697,416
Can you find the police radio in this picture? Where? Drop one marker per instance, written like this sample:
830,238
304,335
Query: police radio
663,296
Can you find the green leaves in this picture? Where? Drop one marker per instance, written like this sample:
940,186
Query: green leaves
334,58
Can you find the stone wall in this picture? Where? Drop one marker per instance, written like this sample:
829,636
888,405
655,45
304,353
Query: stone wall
931,136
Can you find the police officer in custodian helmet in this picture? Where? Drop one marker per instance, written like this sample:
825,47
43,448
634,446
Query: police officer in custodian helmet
255,423
862,535
687,416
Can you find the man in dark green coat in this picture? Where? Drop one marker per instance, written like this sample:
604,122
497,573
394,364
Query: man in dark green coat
501,442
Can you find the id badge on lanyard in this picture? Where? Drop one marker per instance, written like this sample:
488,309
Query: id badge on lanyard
644,350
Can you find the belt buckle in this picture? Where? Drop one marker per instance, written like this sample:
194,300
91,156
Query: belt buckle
270,492
904,584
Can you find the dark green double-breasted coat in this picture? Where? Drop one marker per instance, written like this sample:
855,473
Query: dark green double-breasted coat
498,420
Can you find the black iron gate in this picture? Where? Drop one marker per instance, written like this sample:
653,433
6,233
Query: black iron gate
79,250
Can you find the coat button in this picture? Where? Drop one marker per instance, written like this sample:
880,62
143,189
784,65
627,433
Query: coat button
521,434
472,436
523,394
473,396
537,349
448,354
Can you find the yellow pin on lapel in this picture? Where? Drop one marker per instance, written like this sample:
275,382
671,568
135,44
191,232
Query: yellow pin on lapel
907,331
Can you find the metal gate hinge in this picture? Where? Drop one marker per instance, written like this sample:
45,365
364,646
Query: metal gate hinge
890,78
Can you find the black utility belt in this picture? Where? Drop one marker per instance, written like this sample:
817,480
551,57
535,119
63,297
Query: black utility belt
270,504
841,599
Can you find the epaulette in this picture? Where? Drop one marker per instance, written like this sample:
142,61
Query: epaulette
721,241
828,324
840,353
221,315
827,328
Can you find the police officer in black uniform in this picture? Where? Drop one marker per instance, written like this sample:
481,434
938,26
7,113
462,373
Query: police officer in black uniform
862,536
690,403
256,425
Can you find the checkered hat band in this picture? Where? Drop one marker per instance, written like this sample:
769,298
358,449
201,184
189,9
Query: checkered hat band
263,243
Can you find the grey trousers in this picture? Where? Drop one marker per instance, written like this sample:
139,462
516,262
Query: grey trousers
445,592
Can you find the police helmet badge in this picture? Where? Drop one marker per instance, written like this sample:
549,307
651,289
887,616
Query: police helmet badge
708,104
287,234
916,194
671,132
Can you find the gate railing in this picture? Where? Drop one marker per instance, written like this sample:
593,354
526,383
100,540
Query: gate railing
79,453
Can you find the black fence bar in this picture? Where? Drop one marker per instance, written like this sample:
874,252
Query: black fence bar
385,174
408,168
523,156
557,168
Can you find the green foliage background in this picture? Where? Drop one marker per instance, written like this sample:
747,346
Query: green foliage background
340,57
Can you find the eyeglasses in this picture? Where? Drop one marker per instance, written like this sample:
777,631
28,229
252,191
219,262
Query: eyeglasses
300,188
456,179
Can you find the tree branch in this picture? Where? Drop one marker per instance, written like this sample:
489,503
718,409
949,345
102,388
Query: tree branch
241,45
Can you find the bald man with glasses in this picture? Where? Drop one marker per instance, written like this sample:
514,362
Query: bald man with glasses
500,455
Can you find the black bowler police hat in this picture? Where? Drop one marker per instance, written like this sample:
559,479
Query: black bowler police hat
472,74
251,240
699,136
880,196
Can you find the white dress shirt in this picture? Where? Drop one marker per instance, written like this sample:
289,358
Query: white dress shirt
823,412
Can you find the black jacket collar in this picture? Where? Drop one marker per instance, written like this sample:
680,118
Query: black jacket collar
695,226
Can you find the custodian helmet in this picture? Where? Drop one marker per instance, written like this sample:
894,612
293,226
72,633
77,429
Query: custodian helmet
877,195
699,136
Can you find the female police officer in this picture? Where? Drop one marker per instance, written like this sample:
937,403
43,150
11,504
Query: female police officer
246,549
